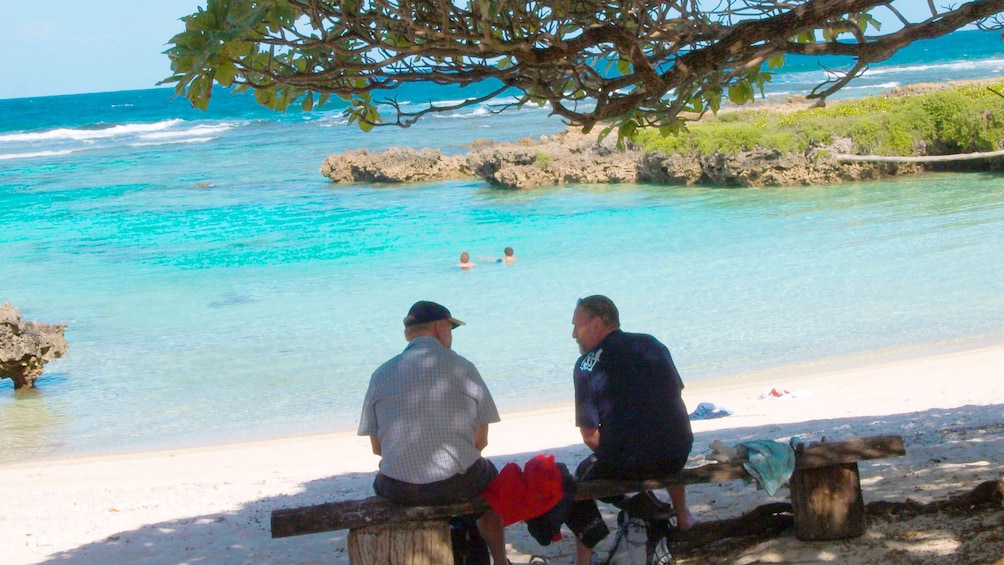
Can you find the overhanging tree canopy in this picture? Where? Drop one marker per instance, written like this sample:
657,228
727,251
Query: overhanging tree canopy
634,63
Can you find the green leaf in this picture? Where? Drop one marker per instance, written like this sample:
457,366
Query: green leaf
740,93
264,96
226,73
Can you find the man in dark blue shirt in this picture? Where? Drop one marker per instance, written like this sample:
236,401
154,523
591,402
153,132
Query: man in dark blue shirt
628,407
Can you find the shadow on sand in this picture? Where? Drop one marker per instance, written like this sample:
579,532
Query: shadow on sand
938,436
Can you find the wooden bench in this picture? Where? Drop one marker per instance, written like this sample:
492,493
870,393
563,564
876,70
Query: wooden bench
825,492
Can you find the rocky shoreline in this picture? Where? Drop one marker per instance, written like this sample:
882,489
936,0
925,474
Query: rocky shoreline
575,158
572,157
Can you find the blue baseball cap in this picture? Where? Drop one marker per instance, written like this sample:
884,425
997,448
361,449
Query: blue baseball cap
424,311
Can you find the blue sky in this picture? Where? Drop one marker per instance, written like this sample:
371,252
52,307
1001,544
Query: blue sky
75,46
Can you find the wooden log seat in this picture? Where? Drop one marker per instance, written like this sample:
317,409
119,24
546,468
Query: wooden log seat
411,543
825,488
825,492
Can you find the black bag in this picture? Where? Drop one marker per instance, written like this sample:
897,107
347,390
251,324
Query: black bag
643,527
469,548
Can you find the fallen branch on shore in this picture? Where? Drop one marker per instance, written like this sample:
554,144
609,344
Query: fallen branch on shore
771,520
920,159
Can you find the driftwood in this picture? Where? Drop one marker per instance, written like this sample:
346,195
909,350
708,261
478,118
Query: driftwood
772,520
762,522
988,494
918,158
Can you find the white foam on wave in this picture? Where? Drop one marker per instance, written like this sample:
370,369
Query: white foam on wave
482,111
198,131
473,113
172,141
87,134
964,67
166,129
7,156
331,120
884,85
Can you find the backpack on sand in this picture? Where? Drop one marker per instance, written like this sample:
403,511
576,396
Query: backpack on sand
643,524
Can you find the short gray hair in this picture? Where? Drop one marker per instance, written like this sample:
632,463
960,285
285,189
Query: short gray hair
601,307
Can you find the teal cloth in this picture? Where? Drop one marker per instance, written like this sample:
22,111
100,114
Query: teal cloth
769,462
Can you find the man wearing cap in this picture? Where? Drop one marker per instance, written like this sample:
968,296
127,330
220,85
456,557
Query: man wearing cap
629,409
427,413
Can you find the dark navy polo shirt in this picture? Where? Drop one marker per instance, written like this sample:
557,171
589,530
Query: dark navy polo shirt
629,388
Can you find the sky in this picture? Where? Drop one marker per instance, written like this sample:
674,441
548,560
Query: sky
77,46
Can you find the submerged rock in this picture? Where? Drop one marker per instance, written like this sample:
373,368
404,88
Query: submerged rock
25,347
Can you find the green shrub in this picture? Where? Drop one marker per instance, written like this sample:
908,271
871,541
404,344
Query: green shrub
965,119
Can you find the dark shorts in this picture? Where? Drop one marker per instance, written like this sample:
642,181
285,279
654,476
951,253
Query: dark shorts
585,519
458,488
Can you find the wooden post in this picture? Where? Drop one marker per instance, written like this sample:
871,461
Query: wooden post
826,502
412,543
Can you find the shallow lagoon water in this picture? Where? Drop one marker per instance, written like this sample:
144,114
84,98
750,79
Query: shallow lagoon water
217,288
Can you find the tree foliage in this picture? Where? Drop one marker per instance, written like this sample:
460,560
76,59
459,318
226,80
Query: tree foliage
626,64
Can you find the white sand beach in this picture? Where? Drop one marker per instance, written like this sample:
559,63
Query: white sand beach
212,505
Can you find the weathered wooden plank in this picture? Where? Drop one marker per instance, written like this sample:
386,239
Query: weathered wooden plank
351,514
715,473
853,450
374,510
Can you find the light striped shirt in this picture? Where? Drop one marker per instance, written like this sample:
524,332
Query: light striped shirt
424,406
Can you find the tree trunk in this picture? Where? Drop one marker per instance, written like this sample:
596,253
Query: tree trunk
413,543
826,503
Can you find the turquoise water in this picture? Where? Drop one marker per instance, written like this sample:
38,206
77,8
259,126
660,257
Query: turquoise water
217,288
204,315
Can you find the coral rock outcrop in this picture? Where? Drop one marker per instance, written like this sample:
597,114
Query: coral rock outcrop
25,347
575,158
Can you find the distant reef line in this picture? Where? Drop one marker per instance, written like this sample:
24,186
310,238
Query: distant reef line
571,157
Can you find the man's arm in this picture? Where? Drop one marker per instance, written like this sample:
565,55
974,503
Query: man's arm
590,437
375,442
481,437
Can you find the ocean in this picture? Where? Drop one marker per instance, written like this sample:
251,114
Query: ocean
217,288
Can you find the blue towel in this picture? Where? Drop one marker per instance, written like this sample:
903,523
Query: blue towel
708,411
769,462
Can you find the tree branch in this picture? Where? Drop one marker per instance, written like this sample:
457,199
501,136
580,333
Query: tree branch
637,63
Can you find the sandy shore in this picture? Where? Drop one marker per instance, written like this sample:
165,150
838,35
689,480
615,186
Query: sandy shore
212,505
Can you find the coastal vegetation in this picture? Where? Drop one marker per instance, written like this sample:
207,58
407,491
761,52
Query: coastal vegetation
964,119
774,145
